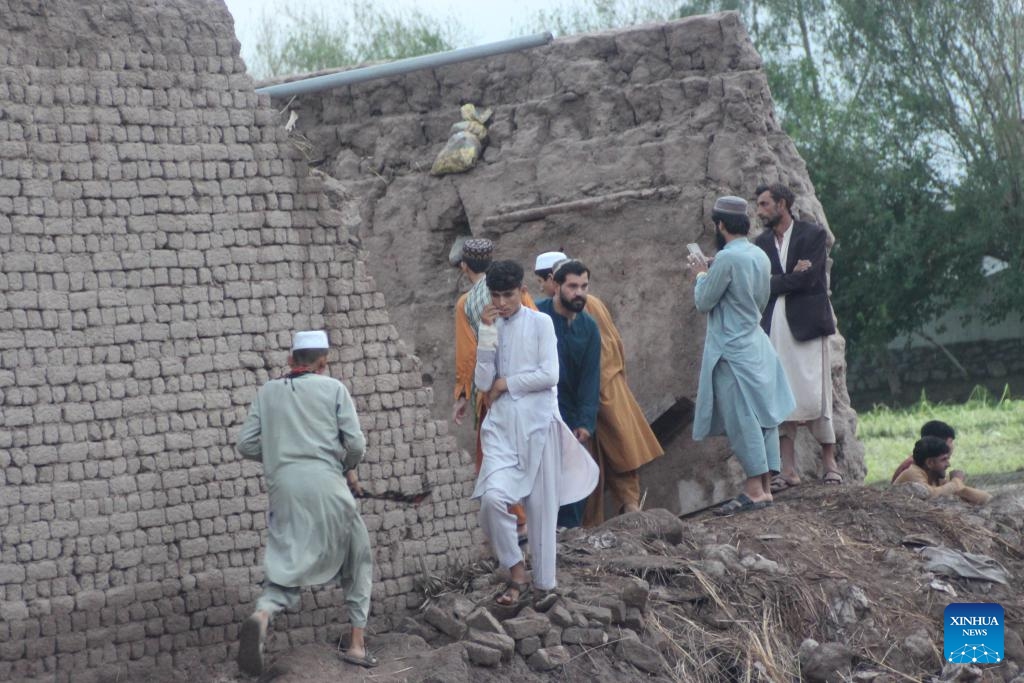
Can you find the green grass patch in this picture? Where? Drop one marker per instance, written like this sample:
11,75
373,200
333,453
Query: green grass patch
989,434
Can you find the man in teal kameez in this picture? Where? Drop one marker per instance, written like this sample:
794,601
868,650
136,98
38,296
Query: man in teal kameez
579,362
304,429
743,392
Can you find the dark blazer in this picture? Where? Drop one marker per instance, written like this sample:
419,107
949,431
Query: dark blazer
808,309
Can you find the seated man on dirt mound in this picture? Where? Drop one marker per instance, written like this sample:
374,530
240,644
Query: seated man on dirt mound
931,460
930,428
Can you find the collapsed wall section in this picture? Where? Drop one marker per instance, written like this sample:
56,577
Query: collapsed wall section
610,146
159,242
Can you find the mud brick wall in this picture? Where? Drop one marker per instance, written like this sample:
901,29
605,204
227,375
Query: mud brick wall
160,239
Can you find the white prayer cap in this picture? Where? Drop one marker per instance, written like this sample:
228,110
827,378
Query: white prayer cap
311,339
548,259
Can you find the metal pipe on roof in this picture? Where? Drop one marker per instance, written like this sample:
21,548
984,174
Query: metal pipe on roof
403,66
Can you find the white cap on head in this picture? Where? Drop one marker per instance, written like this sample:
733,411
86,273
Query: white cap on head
548,259
311,339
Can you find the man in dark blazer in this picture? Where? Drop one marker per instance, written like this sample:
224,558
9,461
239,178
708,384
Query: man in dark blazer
799,320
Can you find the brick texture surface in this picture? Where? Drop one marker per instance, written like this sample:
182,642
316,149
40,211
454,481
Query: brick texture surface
160,238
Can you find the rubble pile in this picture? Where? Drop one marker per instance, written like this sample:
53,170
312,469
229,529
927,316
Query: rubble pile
829,584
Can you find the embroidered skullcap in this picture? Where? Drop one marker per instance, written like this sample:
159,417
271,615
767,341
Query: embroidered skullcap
310,339
478,248
548,259
729,204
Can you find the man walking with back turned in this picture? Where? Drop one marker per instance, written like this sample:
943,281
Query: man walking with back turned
305,431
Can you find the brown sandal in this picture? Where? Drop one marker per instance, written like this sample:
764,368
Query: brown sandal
505,598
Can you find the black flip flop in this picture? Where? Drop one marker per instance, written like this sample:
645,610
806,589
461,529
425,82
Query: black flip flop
741,503
367,661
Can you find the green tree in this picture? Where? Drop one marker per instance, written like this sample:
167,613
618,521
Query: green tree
951,74
586,16
305,39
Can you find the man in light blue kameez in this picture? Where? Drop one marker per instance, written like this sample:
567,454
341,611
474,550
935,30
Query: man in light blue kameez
304,429
743,391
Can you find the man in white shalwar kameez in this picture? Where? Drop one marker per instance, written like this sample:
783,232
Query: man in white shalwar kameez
305,430
529,454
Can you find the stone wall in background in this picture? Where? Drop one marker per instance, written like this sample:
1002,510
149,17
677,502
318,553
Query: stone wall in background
901,375
612,146
159,241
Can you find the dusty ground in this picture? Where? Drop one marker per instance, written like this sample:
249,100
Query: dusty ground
733,598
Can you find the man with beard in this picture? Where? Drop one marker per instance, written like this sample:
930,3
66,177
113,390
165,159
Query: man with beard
579,362
931,460
799,321
529,452
624,440
743,391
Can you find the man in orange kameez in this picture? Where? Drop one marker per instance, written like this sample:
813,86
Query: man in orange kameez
624,441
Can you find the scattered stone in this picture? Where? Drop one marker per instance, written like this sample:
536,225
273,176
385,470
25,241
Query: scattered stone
526,626
593,612
497,641
758,563
850,604
584,636
641,656
635,594
505,612
713,568
634,619
481,583
825,663
960,673
548,601
549,658
724,553
445,622
482,620
560,616
1014,646
628,634
580,620
527,646
553,638
481,655
461,608
920,646
413,627
616,607
657,523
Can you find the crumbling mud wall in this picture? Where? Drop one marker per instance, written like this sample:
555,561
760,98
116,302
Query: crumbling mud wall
612,146
159,242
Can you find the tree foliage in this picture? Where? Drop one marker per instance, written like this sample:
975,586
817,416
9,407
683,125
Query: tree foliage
304,39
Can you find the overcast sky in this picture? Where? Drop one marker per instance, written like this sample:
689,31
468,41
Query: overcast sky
485,21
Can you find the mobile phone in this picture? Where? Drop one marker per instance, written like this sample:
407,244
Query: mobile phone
694,249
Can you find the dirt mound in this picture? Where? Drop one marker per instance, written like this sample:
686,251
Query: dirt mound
829,584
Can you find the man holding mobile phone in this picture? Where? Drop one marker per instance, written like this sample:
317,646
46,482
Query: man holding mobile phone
743,392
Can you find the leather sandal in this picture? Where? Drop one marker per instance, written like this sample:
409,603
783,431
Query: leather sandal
505,599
